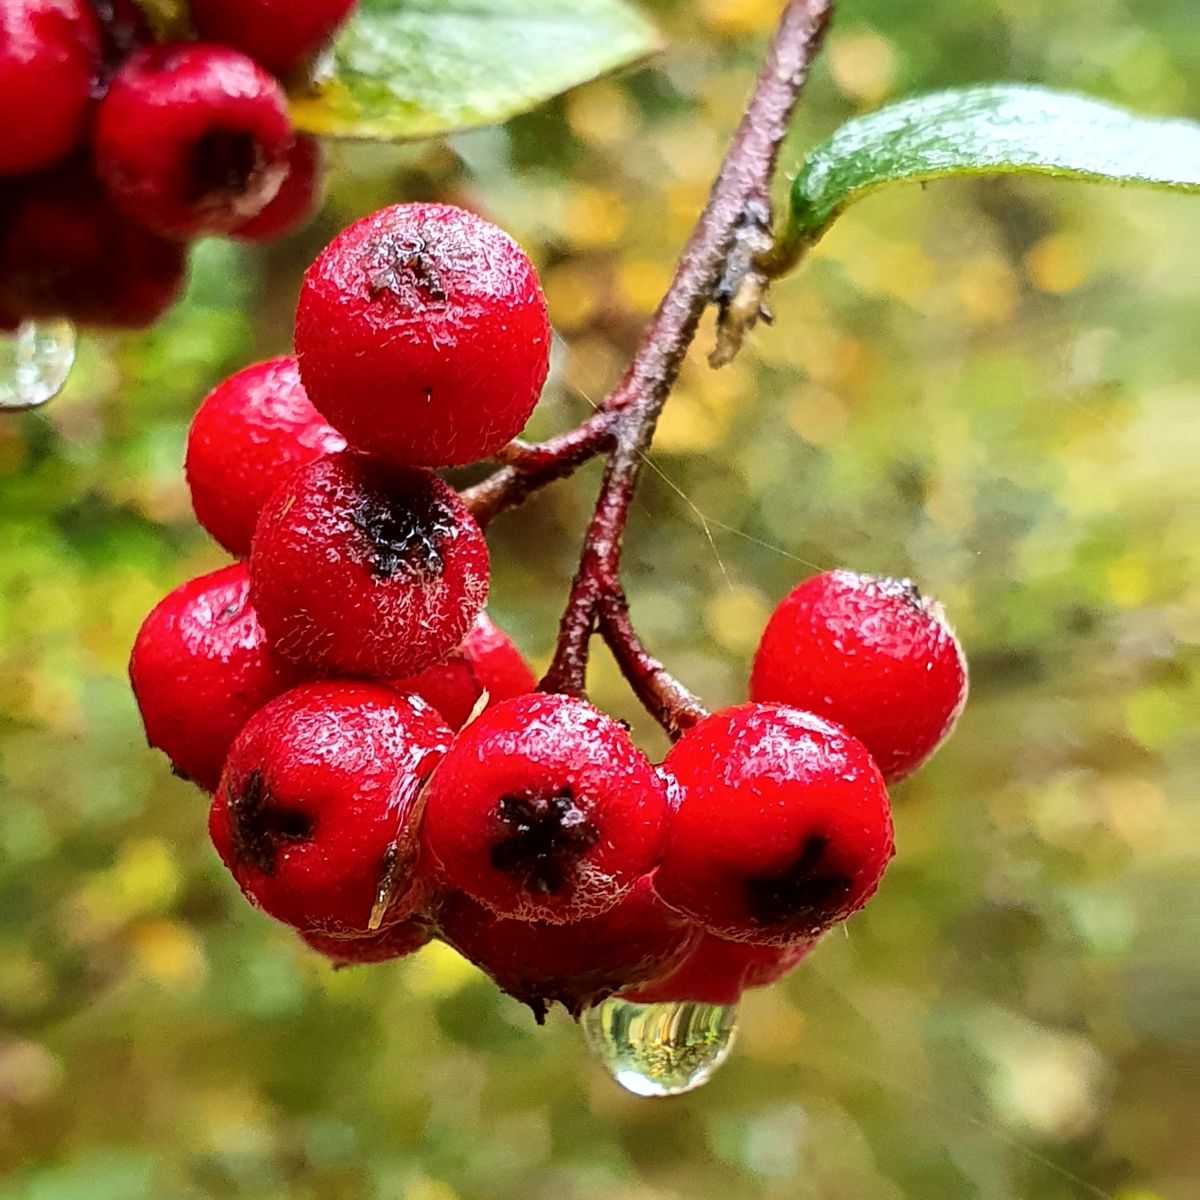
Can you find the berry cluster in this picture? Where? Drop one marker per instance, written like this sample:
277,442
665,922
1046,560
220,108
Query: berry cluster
385,770
116,150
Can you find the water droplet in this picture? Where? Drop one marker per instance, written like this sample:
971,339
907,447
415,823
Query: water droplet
660,1049
34,363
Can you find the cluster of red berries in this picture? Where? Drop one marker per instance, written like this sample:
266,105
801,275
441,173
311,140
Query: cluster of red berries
117,150
385,770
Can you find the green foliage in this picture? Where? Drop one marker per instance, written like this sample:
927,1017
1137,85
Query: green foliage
407,69
995,130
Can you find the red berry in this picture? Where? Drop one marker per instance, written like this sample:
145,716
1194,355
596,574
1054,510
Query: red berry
364,570
49,59
487,661
393,941
314,805
718,972
66,252
781,825
201,668
545,810
298,198
280,34
192,139
422,335
578,964
248,437
871,654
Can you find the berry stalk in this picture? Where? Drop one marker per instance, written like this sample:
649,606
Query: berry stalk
730,231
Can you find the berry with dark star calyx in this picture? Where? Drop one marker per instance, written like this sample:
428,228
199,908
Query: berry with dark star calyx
363,570
545,810
781,825
314,813
871,654
422,335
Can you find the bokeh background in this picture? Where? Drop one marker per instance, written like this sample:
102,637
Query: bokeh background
989,386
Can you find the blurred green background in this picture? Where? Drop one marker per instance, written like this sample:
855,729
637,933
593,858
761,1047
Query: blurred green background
989,386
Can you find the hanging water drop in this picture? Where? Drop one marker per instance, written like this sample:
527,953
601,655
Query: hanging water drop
660,1049
34,363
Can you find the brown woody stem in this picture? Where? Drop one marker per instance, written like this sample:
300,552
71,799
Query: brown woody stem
715,266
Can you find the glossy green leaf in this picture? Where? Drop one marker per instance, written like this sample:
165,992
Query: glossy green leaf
987,131
405,69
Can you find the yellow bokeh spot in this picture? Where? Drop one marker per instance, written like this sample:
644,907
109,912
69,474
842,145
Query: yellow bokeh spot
863,65
439,971
987,291
642,283
428,1189
602,113
595,217
736,618
145,877
817,415
1056,264
1156,716
574,291
170,954
689,426
1129,582
885,268
1136,808
739,16
593,366
700,413
829,358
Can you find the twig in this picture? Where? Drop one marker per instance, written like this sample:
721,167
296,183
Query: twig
530,467
727,238
661,694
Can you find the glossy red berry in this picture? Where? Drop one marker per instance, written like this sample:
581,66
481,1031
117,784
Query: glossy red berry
383,945
49,60
871,654
250,434
716,971
781,825
201,668
487,661
422,335
365,570
192,139
280,34
312,815
297,200
545,810
66,252
575,965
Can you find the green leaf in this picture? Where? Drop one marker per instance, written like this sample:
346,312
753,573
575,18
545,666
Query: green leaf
985,131
405,69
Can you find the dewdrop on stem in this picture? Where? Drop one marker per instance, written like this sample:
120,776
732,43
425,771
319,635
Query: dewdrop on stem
660,1049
